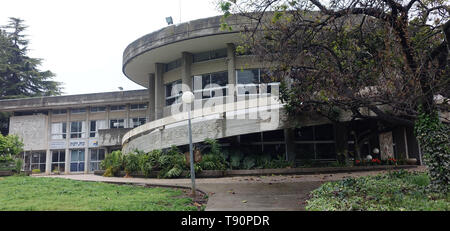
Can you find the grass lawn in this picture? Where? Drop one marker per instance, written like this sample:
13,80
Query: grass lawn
398,191
52,194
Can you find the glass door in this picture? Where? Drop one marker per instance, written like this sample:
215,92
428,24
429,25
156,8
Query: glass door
77,160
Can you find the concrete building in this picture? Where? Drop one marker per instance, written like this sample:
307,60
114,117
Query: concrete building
235,103
73,133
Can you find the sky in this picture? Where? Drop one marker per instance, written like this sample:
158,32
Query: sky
82,41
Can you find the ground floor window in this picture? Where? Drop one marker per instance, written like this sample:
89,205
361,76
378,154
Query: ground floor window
58,160
35,160
315,143
96,157
77,160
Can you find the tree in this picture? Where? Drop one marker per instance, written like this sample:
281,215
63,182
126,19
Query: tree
20,75
373,59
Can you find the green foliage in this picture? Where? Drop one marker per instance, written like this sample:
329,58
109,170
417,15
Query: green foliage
19,74
215,158
36,171
10,145
235,159
434,139
280,162
249,162
19,165
149,162
172,163
397,191
113,163
131,162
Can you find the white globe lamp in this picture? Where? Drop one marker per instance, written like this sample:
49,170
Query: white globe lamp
187,97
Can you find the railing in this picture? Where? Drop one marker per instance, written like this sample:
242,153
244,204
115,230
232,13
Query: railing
254,102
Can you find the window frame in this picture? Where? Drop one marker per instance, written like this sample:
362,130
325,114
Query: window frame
62,133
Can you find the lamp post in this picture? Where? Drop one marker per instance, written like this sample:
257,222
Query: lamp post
188,98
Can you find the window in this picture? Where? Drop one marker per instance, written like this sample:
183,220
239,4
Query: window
98,109
59,111
97,155
95,125
78,129
315,142
118,108
204,56
35,160
59,131
136,122
173,92
58,160
141,106
78,110
77,160
117,123
210,85
254,81
172,65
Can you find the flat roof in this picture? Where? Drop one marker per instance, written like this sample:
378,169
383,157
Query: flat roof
74,101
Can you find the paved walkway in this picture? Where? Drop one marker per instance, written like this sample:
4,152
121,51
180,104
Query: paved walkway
259,193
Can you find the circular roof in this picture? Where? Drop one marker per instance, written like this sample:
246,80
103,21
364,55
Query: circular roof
167,44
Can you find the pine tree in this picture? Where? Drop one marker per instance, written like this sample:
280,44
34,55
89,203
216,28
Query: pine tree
20,75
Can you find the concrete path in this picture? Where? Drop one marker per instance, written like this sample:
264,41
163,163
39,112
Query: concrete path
261,193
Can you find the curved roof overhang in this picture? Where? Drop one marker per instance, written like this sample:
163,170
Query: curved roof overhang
167,44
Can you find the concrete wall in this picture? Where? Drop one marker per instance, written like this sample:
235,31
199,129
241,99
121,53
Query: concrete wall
32,129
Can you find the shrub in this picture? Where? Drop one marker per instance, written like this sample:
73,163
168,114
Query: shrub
149,162
36,171
280,162
113,163
263,161
19,165
214,159
434,140
172,163
249,162
131,163
235,159
10,145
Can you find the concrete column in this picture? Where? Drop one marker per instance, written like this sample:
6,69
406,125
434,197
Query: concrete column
159,91
151,97
186,77
290,145
48,163
341,139
231,60
67,164
86,149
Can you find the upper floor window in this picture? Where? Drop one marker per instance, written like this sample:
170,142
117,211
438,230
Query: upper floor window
216,54
118,107
254,81
136,122
172,65
78,110
78,129
59,131
173,92
59,111
142,106
95,125
210,85
117,123
98,109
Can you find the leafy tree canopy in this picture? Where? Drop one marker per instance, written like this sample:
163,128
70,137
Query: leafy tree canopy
377,59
